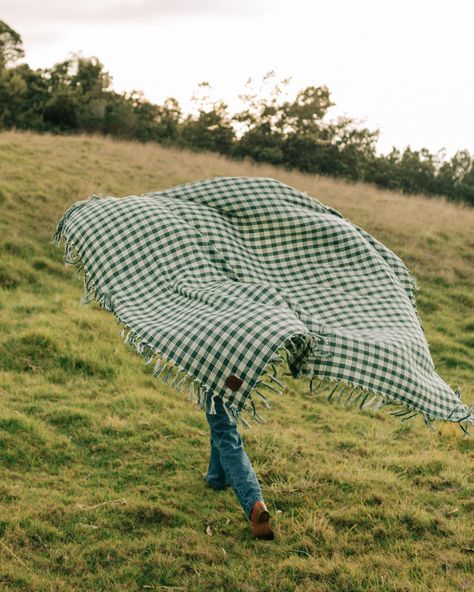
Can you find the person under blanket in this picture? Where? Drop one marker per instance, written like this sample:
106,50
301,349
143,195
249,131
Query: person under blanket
229,464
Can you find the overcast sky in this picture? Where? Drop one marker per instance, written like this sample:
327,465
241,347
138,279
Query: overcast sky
404,66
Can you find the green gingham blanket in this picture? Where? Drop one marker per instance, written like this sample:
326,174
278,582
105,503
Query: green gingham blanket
216,282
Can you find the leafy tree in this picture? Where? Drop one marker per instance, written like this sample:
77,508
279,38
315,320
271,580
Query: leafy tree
262,122
168,120
306,112
23,93
120,118
11,46
456,177
212,128
13,86
294,133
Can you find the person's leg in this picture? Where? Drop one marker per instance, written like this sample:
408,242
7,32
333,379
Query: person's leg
216,477
234,465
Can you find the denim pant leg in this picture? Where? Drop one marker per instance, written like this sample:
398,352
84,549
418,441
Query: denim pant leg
216,476
229,461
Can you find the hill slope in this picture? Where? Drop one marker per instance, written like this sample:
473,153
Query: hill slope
101,466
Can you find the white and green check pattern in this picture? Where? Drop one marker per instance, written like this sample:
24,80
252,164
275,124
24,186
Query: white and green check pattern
214,280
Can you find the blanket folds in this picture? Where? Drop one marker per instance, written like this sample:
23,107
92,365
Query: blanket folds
217,282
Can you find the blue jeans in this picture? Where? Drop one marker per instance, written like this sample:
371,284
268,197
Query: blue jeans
229,463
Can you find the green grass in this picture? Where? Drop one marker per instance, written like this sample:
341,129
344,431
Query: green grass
101,466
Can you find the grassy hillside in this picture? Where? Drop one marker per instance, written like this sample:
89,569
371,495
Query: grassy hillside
101,467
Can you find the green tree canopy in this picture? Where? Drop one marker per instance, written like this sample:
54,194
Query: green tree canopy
11,46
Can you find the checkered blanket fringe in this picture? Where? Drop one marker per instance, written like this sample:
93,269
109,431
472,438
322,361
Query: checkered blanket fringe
291,352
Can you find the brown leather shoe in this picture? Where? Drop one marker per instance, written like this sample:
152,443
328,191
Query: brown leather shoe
259,517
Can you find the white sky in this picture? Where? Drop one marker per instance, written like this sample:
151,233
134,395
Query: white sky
403,66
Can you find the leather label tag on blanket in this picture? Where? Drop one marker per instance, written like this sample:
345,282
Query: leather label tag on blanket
233,382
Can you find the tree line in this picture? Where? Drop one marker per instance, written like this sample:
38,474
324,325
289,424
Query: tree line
76,95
